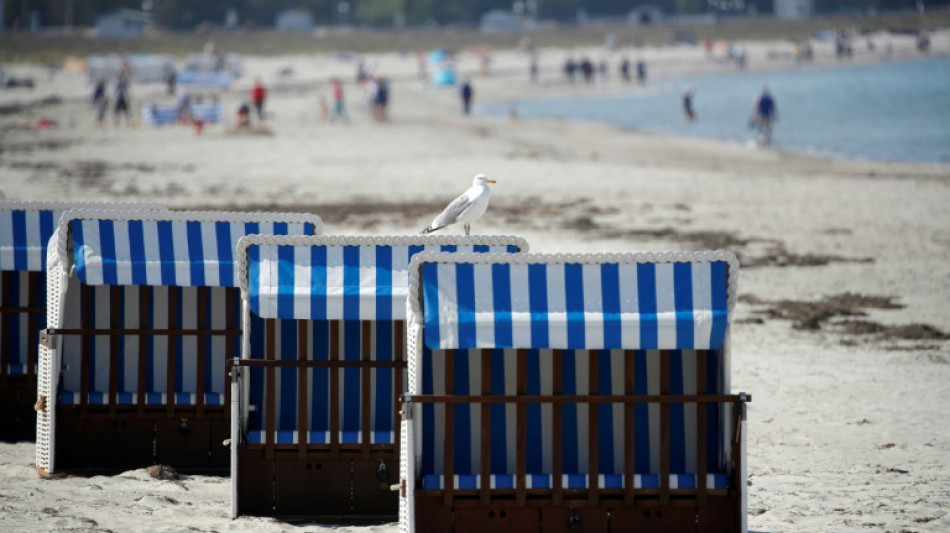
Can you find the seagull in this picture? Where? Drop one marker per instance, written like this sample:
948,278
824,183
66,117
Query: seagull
465,209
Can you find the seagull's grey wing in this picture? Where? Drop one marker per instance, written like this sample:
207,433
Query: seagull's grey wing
452,213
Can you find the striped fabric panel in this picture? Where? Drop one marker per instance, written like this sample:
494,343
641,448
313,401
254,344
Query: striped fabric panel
160,115
209,113
383,420
208,80
24,234
575,370
575,306
575,481
319,282
165,252
157,347
16,338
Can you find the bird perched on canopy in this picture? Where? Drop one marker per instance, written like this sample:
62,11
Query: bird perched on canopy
465,209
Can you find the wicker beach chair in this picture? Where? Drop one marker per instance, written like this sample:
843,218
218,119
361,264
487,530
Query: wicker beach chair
571,393
144,314
163,115
315,402
25,230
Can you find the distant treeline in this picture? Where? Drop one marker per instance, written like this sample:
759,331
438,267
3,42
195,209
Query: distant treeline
187,14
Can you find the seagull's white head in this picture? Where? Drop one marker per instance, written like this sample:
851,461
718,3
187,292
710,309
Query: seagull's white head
481,179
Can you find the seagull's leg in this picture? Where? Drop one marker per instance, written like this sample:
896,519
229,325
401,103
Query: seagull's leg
468,228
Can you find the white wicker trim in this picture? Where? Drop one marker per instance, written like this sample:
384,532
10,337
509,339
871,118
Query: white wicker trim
66,205
407,476
48,365
235,440
360,240
415,304
198,216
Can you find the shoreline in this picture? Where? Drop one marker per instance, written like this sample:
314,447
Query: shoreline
578,91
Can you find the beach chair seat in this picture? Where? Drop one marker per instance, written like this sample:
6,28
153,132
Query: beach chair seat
320,380
25,230
565,392
150,318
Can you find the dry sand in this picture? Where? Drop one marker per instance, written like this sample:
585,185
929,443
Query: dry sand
840,334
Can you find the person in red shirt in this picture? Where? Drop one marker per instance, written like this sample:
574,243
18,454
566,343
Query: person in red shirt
258,95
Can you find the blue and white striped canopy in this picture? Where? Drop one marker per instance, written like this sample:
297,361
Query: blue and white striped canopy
580,303
188,249
26,227
346,278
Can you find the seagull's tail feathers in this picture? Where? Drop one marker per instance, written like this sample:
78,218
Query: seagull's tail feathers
430,229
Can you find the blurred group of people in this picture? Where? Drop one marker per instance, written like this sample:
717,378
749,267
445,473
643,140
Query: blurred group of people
376,89
257,98
100,100
586,70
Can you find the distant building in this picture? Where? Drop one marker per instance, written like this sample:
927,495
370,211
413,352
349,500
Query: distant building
644,15
793,9
294,20
501,21
123,24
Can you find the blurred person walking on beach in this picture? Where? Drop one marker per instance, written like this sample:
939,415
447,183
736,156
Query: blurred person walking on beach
121,99
466,92
244,116
923,42
587,69
570,69
339,108
764,114
99,92
381,104
602,72
258,95
641,71
625,70
101,102
688,114
171,78
370,88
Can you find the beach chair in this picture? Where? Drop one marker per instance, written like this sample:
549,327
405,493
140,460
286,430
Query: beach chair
144,313
163,115
159,115
25,229
571,393
315,402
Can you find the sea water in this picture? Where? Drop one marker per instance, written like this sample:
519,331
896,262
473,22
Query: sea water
893,111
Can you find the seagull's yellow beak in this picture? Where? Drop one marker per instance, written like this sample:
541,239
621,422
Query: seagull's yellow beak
491,180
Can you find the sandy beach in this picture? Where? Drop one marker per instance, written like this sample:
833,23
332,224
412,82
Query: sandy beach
842,333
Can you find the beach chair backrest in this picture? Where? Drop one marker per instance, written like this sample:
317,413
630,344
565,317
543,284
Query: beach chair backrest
168,271
566,326
328,297
25,231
